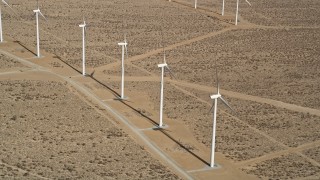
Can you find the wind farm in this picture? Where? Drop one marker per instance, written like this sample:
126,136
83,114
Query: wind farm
58,124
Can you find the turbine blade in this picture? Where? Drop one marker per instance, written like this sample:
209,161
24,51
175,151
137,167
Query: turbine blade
248,2
212,106
42,15
4,2
227,104
126,51
218,88
170,72
38,4
125,41
164,57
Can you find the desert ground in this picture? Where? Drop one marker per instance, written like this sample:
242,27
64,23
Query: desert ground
57,124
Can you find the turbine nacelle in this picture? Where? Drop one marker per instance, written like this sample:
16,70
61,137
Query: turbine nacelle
123,44
37,11
215,96
219,96
166,67
83,25
162,65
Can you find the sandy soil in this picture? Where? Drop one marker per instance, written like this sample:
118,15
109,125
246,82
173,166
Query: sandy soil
107,27
234,138
266,12
272,54
291,166
7,63
313,153
285,60
57,135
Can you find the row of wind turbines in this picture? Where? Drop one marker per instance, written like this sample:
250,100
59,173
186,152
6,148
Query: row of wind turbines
164,67
222,11
215,97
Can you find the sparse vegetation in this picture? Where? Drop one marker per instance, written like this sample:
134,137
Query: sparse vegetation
56,139
275,55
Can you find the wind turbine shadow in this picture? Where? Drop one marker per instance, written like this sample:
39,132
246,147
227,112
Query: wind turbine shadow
102,84
165,132
58,57
185,148
140,113
29,50
89,75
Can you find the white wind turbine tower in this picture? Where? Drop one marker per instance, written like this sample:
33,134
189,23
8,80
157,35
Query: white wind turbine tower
37,12
84,27
124,47
4,2
214,106
163,66
237,11
222,13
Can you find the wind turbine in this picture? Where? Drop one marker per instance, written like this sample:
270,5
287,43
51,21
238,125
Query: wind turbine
214,106
195,4
163,66
124,47
37,12
84,27
237,12
4,2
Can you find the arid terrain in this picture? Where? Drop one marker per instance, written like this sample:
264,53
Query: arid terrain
48,131
57,124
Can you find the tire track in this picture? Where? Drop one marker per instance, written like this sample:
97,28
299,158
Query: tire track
296,150
257,99
170,47
116,114
270,155
208,89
